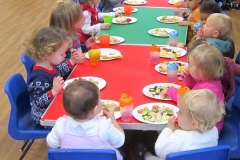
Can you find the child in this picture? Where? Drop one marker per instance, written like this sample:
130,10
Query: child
205,70
69,16
217,31
194,16
82,130
47,48
207,8
108,5
92,25
194,126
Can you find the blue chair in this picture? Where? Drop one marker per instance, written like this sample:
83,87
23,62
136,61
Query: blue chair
28,63
81,154
20,125
230,134
211,153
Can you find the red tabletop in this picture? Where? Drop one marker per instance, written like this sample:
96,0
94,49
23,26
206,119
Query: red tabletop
130,74
157,3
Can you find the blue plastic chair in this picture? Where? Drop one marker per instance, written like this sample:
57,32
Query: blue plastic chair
211,153
28,63
230,134
81,154
20,125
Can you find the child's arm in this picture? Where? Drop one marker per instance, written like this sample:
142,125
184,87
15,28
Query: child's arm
87,28
172,93
66,67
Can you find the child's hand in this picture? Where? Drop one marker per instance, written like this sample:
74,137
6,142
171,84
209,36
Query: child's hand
199,33
118,14
77,57
163,93
173,123
105,25
185,72
58,83
90,41
108,112
184,23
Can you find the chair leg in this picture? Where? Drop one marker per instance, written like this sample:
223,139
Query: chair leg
24,145
26,149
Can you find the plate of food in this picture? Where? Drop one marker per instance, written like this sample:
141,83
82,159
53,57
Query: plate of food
113,40
135,2
108,54
154,113
99,82
173,1
162,67
153,90
121,9
113,105
172,52
124,20
160,32
169,19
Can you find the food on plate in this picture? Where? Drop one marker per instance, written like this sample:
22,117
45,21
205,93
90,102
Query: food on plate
169,19
156,114
163,66
159,32
111,104
155,91
112,39
170,53
123,20
134,2
83,79
111,56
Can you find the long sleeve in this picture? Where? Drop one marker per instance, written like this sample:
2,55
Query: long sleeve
189,81
172,93
87,28
65,68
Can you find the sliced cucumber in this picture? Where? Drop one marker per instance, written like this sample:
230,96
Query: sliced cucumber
112,53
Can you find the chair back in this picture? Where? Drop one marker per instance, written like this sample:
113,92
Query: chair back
238,58
211,153
20,125
83,154
28,63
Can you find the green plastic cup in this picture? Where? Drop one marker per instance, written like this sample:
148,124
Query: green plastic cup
107,19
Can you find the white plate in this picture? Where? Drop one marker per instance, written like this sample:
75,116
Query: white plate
120,40
133,20
101,82
122,10
106,52
151,31
173,1
146,92
180,19
158,65
135,2
117,114
180,51
139,117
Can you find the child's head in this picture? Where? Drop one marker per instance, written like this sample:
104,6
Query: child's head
47,44
208,8
91,2
217,26
68,16
192,4
199,110
205,62
81,100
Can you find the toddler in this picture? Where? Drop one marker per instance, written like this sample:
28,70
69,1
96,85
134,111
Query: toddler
47,48
217,31
92,17
81,129
194,126
194,7
69,16
207,8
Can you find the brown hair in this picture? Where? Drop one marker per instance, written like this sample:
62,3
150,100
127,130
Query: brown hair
79,98
44,42
210,7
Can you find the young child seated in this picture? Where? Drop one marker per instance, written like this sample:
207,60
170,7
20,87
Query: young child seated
194,126
81,129
207,8
194,7
92,23
47,48
217,31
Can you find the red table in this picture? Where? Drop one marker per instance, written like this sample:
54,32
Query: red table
157,3
130,74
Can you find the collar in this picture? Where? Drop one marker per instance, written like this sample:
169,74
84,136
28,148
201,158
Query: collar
53,71
195,8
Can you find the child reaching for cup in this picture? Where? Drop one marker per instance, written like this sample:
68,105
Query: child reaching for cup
194,126
82,129
47,48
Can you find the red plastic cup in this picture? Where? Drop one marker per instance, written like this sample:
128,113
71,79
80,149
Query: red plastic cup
104,41
127,10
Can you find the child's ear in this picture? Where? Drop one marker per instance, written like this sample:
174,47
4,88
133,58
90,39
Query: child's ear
93,111
215,33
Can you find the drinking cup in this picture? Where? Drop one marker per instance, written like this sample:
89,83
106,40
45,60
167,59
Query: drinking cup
104,41
127,10
107,19
94,56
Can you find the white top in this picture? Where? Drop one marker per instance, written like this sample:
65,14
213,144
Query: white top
181,140
107,132
87,28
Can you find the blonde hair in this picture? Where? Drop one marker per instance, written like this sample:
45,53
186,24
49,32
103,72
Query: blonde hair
44,42
223,24
202,106
65,15
209,60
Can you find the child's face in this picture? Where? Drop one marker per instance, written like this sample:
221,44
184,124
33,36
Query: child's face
209,29
80,22
58,56
184,121
96,1
193,70
204,17
191,4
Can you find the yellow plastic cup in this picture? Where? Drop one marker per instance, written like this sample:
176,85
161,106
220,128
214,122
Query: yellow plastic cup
94,56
